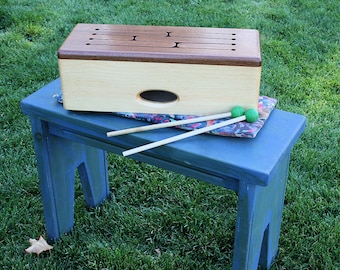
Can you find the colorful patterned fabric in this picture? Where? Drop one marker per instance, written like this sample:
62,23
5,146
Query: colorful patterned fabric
241,129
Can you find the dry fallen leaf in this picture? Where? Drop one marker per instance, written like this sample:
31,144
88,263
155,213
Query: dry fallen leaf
158,251
38,246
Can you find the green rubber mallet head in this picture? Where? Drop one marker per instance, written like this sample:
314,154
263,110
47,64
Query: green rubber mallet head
252,115
237,111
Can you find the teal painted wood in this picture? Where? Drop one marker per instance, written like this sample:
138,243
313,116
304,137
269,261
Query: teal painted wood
256,168
259,219
57,159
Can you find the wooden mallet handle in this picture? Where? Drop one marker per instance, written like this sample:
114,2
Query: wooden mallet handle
250,115
183,136
167,124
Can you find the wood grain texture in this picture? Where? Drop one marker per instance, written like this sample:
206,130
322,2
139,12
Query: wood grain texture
167,44
114,86
112,68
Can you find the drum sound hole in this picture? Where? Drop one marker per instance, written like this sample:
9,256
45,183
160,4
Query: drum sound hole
159,96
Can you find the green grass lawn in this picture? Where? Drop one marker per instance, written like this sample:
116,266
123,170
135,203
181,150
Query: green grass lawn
158,219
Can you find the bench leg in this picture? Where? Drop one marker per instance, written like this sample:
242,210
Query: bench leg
58,159
258,221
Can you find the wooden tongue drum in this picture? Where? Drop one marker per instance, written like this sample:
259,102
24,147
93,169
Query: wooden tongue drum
160,69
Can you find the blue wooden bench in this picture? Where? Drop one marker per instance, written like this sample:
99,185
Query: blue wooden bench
256,168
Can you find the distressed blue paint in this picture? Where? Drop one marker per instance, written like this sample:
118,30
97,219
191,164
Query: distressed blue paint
256,168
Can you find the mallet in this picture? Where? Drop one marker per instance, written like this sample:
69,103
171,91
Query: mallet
167,124
250,115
